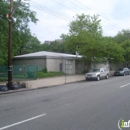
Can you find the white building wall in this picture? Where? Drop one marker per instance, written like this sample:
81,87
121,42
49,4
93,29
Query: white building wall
54,64
68,65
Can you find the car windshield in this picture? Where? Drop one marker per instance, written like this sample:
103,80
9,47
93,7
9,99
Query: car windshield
120,69
95,70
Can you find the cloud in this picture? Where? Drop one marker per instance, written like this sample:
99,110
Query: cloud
114,14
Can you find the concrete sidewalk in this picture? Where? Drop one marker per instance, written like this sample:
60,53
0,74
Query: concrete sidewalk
46,82
53,81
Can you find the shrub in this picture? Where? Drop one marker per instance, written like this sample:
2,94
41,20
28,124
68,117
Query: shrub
3,79
45,70
41,74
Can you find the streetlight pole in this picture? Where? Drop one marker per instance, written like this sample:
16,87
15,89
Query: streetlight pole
10,46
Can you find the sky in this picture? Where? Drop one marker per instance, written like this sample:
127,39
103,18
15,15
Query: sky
55,16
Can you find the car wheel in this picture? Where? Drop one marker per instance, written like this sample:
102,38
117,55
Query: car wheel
107,76
123,74
98,78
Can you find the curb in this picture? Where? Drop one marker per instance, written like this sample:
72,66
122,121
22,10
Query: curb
30,89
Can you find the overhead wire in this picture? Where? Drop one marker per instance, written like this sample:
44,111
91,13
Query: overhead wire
107,20
91,11
95,12
57,14
103,19
63,6
61,16
84,10
50,11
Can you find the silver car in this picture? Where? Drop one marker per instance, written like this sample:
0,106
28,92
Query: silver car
122,71
97,74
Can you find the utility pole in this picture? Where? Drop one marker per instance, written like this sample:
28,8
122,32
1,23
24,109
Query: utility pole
10,19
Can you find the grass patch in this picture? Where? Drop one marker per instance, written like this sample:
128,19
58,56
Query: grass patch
40,74
49,74
18,76
3,79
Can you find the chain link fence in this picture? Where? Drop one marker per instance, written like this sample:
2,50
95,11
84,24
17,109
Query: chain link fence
21,71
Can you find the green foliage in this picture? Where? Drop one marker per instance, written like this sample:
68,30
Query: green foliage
126,46
123,40
32,44
122,36
85,37
49,74
85,23
54,47
45,70
21,32
3,79
3,32
112,51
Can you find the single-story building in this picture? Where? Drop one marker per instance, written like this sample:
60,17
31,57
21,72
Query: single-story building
58,62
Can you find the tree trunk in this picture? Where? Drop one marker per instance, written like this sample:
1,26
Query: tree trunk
88,65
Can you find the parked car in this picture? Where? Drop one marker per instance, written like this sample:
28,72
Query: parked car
128,67
122,71
97,74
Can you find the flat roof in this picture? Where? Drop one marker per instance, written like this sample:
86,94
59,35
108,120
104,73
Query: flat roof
47,54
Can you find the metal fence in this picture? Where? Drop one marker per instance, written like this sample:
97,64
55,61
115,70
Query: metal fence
21,71
4,71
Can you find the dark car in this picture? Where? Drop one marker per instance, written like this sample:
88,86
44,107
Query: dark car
122,71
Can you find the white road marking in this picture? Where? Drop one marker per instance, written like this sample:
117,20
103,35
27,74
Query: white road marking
5,127
124,85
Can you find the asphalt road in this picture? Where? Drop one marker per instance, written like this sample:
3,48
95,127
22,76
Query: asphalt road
93,105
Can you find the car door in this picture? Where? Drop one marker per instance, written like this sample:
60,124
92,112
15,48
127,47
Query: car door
102,73
125,71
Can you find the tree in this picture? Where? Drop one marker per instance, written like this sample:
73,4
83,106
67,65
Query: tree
32,45
3,32
54,46
21,29
112,50
123,39
122,36
85,36
126,46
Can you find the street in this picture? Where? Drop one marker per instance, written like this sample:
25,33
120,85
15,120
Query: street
86,105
